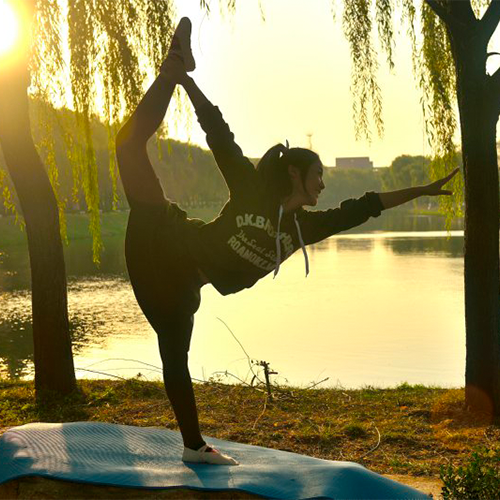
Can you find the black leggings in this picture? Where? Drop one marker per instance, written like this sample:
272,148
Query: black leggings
164,277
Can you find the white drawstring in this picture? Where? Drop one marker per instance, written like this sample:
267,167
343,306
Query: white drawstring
278,244
302,243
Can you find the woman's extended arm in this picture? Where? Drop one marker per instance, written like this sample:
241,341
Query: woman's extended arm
394,198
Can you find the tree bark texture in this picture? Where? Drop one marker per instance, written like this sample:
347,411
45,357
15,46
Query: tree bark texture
478,107
54,369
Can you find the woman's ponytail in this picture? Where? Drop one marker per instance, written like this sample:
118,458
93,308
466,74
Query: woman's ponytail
268,166
273,168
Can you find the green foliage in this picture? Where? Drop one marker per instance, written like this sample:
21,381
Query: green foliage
115,45
46,150
384,13
433,68
357,24
94,58
341,184
8,202
404,171
478,479
188,173
438,84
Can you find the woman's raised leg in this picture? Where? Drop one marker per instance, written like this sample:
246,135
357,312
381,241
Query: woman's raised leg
139,180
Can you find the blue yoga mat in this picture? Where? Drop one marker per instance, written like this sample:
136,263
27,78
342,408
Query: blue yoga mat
147,457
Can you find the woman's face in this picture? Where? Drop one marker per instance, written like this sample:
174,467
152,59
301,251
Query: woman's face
314,183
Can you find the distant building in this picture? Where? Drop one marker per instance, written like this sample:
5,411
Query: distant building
363,162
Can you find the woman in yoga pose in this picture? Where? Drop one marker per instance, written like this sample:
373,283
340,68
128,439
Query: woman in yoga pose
170,256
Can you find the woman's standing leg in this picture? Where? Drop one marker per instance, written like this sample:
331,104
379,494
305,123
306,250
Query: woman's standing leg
168,303
176,376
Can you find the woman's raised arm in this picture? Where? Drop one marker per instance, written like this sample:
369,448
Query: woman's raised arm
237,169
196,96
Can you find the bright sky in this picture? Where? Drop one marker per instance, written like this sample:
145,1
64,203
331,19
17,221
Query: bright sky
290,76
9,27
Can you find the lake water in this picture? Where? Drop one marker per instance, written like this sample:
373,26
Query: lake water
383,304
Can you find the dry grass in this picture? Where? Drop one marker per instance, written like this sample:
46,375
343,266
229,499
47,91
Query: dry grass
406,430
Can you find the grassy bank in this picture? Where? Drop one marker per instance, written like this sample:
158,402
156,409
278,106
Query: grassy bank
406,430
115,223
112,224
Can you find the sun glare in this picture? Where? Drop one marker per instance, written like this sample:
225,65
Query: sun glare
9,27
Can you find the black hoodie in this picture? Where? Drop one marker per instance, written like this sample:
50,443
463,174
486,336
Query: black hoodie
240,246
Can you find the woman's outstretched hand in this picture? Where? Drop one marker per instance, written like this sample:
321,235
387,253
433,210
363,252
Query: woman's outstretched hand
435,188
396,198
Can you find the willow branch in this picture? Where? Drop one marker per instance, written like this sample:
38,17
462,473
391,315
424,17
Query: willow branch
490,20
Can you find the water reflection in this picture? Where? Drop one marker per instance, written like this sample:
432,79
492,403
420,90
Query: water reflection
95,301
95,307
14,269
348,268
351,244
401,243
428,244
16,334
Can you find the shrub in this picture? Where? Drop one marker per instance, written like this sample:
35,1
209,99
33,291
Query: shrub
479,479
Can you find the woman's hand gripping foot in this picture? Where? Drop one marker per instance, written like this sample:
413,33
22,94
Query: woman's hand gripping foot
180,58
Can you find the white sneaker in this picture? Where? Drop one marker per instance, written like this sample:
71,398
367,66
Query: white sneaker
181,44
209,457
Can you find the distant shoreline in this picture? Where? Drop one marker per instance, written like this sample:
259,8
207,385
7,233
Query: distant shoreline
113,224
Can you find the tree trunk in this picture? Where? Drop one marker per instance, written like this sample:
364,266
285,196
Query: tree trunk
54,370
478,117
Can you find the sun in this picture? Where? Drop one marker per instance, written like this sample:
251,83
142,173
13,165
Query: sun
9,27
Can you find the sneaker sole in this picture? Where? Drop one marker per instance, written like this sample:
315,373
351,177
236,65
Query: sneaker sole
183,33
190,456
